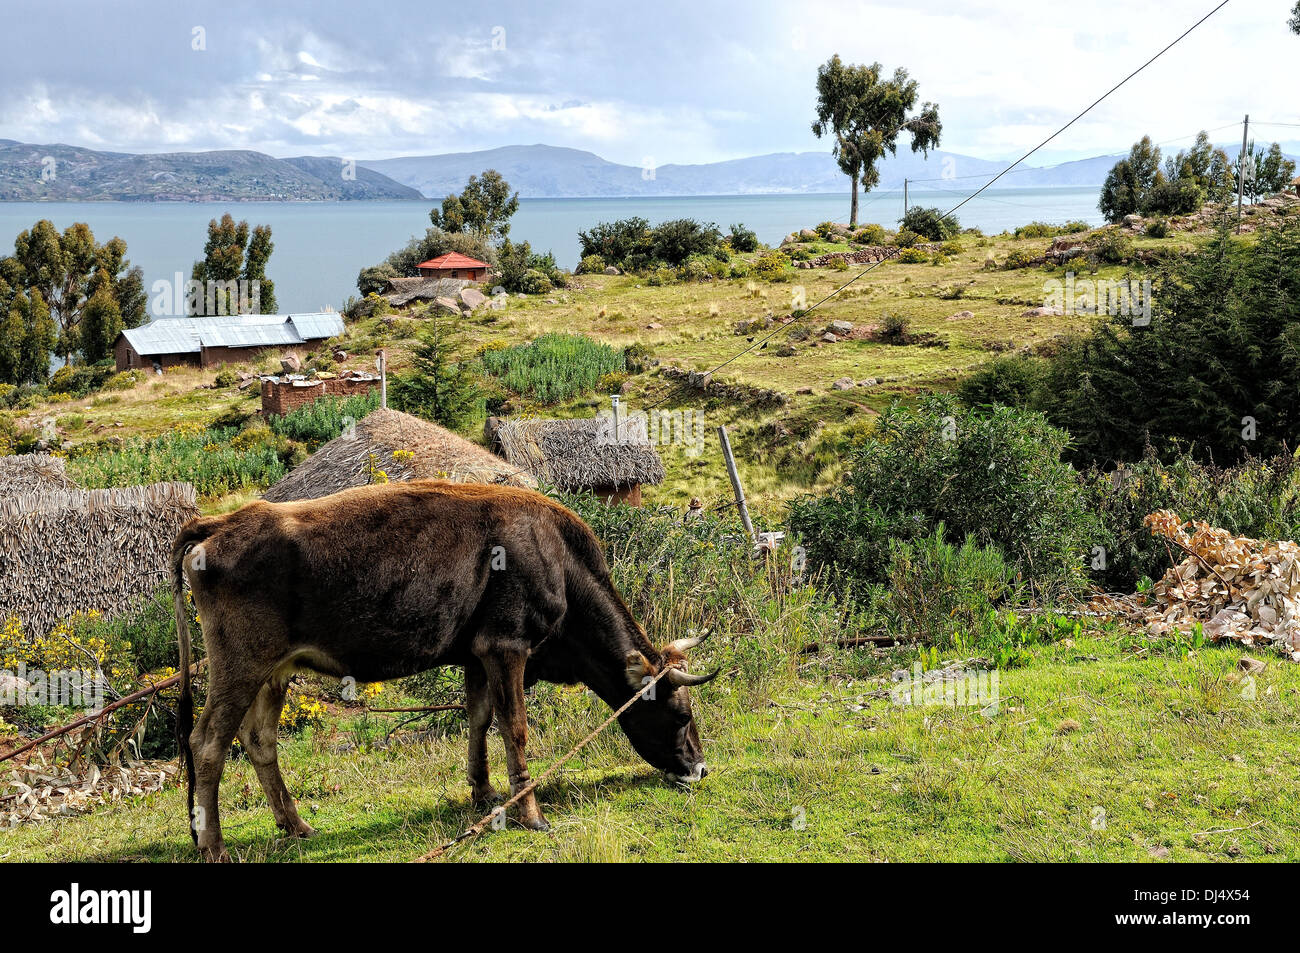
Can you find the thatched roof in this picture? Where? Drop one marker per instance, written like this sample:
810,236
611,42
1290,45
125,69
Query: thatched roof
347,461
402,291
582,454
31,472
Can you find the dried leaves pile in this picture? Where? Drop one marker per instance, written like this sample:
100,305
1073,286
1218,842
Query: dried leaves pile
1243,589
36,791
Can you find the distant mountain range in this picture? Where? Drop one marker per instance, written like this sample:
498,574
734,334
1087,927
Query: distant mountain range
59,173
69,173
550,172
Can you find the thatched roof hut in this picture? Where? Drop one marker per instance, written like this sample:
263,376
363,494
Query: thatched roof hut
581,454
404,448
31,473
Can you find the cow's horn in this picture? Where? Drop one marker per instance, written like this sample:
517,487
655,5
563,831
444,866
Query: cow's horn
685,645
686,680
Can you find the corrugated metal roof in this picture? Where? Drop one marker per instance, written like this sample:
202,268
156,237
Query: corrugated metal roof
187,335
320,324
250,335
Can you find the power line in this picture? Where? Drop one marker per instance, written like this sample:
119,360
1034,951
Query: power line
758,342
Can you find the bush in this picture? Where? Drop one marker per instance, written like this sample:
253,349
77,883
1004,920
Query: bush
913,256
1112,246
906,238
591,265
1159,228
226,378
1197,377
520,270
617,242
554,367
1178,197
995,476
870,235
1010,380
743,239
772,265
826,231
930,223
1019,258
677,240
936,589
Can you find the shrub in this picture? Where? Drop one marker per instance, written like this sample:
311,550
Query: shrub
1196,378
591,265
995,476
226,378
870,235
906,238
441,386
936,589
1010,380
520,270
553,367
617,242
1112,246
930,223
1159,228
1019,258
773,264
826,231
913,256
677,240
743,239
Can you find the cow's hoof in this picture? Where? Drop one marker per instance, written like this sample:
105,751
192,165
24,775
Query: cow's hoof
215,855
537,823
488,798
300,829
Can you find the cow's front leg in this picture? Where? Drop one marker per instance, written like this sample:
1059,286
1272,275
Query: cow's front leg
505,672
478,715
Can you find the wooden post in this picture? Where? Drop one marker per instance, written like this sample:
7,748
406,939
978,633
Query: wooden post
1241,169
735,482
382,364
905,198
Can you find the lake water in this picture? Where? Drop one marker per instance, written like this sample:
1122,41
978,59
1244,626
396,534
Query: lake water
320,247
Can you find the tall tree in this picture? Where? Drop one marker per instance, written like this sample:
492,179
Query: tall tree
483,209
101,321
27,335
1294,22
234,253
865,115
1129,181
64,268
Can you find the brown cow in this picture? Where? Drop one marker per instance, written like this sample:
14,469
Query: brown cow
386,581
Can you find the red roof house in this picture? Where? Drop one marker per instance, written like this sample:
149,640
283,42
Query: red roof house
453,265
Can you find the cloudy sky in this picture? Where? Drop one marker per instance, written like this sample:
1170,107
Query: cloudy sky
671,81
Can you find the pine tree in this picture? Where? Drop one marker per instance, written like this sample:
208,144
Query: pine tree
440,387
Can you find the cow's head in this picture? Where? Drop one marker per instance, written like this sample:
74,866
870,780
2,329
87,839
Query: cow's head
660,725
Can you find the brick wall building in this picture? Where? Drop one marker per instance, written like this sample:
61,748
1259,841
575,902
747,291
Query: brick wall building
280,395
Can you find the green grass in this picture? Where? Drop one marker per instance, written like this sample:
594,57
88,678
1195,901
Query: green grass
1168,748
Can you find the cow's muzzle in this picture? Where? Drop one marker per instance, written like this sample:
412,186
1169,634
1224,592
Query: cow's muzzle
697,773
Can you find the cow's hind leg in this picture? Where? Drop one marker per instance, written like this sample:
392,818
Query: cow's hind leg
210,741
257,734
478,715
505,673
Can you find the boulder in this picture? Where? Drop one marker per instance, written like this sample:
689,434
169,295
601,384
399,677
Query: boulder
961,316
450,305
844,383
1043,312
611,270
807,235
654,326
869,382
840,327
472,298
803,390
829,338
787,350
290,364
11,684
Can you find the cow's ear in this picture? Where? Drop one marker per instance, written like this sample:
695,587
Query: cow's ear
638,668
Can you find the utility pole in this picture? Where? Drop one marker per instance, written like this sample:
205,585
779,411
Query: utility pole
1241,169
735,481
382,364
905,198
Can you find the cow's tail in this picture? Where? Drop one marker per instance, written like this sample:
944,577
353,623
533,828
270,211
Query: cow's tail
191,533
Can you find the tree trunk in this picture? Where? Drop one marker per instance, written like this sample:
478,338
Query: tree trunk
853,203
